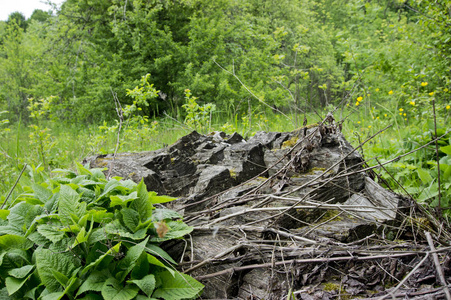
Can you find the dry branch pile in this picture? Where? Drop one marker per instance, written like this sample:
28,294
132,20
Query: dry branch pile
294,215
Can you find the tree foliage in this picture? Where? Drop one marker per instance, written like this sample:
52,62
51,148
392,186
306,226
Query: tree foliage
294,54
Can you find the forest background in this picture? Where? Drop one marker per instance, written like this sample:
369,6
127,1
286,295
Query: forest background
248,65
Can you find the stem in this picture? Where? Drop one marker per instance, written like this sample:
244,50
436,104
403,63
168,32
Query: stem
14,186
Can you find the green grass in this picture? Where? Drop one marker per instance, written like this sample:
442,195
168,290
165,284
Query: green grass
417,172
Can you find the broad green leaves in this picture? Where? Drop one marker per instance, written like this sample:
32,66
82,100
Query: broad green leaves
178,286
89,238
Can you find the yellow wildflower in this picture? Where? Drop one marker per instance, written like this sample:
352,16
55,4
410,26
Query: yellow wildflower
405,114
445,90
448,107
357,103
385,115
412,103
431,94
359,99
400,114
369,126
391,92
377,90
377,118
401,109
424,84
358,122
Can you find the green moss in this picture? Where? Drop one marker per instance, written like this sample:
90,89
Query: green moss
290,143
329,287
329,215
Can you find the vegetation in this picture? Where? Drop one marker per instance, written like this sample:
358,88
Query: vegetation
82,236
158,69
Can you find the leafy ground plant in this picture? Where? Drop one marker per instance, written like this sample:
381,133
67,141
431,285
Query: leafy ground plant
80,236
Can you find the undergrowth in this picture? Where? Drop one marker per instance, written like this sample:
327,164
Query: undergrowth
77,235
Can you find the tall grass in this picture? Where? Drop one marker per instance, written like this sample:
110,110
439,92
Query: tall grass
75,142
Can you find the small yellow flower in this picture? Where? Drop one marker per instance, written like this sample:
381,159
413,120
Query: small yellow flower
359,99
377,118
369,126
385,115
405,119
377,90
431,94
445,90
390,93
448,107
401,109
412,103
347,104
424,84
404,114
358,122
357,103
400,114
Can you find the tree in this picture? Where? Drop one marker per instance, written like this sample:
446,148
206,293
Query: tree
17,18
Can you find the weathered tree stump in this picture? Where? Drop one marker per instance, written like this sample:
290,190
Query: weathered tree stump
276,214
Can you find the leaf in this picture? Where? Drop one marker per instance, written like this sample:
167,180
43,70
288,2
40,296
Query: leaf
142,204
113,290
128,262
4,214
179,286
122,200
53,296
146,284
111,252
68,173
446,149
8,229
91,297
82,170
94,282
130,218
154,199
109,187
100,216
60,277
81,237
10,241
47,262
2,255
22,215
424,175
155,250
117,229
163,213
50,232
21,272
97,234
154,261
69,206
177,229
41,193
14,284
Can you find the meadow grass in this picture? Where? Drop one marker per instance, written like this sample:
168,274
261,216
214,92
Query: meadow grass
72,143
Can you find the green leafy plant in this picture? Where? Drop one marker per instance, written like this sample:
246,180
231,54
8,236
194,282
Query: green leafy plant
198,117
79,236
